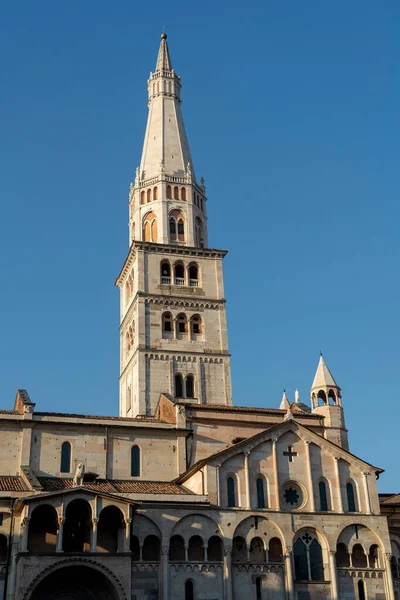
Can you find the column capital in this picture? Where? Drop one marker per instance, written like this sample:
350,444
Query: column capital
128,521
246,452
25,521
218,466
289,549
388,556
366,473
332,552
274,440
95,520
228,551
336,458
165,550
307,442
61,520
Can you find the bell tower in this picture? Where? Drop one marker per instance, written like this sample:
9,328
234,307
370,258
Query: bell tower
326,400
173,331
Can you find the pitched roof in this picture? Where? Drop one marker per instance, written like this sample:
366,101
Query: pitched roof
323,376
244,409
393,499
53,484
98,417
11,483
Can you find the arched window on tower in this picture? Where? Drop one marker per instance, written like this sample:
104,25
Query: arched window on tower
176,193
167,331
172,229
190,386
231,491
165,273
135,461
179,274
150,231
142,197
155,193
183,194
178,386
181,230
169,192
193,275
149,195
181,326
65,458
199,233
195,327
351,500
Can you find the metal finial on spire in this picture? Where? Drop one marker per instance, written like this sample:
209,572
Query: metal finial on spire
163,59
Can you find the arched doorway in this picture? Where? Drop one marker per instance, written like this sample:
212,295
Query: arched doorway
75,583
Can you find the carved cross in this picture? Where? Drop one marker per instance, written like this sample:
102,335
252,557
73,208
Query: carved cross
290,453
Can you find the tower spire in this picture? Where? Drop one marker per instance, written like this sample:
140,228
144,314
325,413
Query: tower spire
163,59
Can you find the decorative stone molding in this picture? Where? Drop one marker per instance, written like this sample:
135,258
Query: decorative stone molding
258,568
195,568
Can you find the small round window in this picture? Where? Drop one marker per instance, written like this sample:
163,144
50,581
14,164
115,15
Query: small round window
292,496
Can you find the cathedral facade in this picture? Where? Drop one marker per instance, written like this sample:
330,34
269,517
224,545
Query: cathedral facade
186,496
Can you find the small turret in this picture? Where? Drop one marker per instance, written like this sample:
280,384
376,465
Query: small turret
284,405
326,400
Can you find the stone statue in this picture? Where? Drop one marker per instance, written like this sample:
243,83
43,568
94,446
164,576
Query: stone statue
79,473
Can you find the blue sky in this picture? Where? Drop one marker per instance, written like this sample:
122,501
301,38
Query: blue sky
291,109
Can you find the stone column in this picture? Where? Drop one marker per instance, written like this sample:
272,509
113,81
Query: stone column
217,467
389,576
228,574
276,478
338,486
127,539
93,544
366,493
164,572
24,534
309,475
60,533
289,574
205,553
334,578
186,553
247,479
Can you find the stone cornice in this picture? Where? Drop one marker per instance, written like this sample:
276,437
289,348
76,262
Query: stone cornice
165,249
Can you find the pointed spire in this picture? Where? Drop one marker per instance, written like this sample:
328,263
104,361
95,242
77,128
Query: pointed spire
163,59
284,402
323,377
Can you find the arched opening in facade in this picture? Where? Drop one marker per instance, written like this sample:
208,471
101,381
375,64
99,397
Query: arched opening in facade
257,551
78,582
198,226
135,461
361,590
3,548
351,497
155,193
189,589
167,330
149,195
358,557
239,549
196,328
150,229
181,326
165,272
176,549
193,275
77,527
215,549
323,496
275,551
169,192
65,466
321,398
332,397
373,557
151,549
179,274
308,560
196,549
43,526
342,556
259,588
178,386
183,194
260,488
142,197
110,530
190,386
231,491
176,193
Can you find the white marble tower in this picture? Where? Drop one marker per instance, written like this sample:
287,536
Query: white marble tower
173,332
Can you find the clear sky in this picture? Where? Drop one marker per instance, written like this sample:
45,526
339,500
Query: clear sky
292,113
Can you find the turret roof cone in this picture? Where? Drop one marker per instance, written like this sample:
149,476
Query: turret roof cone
323,377
284,402
163,59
